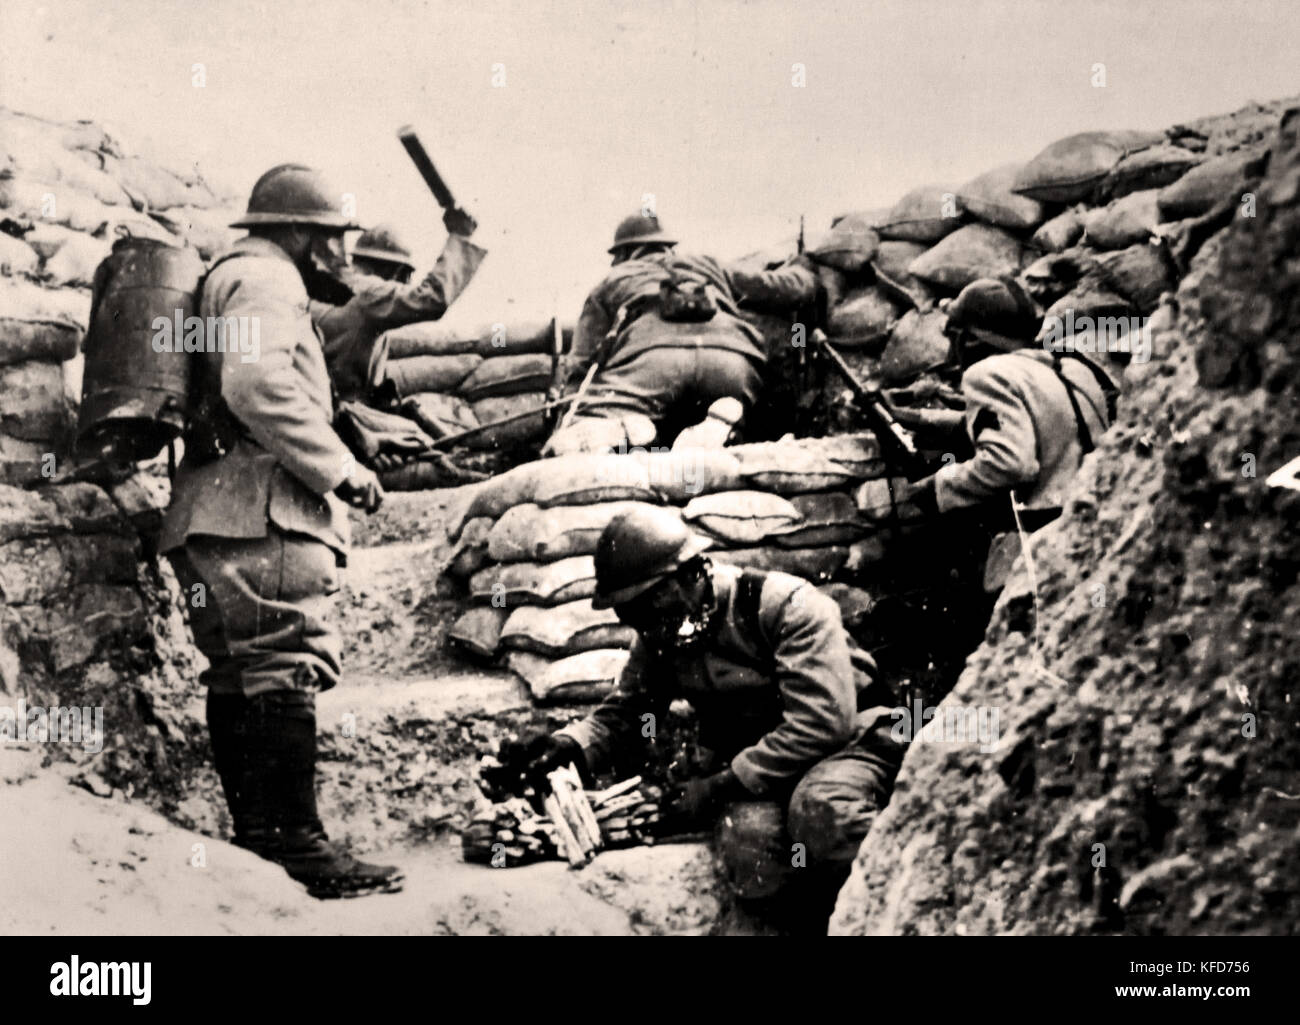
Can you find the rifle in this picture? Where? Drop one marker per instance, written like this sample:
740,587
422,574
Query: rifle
895,440
433,453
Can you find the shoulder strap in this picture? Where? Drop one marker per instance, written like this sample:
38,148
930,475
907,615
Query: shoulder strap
749,596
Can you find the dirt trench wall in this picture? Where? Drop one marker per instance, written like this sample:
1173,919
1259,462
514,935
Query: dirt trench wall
1146,780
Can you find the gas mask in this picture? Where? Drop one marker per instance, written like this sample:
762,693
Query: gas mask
328,275
674,621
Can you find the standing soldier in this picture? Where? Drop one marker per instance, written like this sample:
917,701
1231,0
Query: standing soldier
257,530
785,700
382,298
665,334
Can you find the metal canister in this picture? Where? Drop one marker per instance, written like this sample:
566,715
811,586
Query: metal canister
136,390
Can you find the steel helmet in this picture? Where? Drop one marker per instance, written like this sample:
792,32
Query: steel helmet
294,194
638,230
637,549
382,243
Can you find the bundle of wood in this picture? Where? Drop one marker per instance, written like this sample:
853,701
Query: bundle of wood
576,823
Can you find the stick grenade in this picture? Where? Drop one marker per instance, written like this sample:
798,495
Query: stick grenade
420,157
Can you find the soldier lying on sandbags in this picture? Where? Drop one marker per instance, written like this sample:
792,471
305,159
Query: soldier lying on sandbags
786,701
664,335
378,296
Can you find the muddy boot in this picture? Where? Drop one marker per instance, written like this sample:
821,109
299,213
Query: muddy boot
716,429
278,797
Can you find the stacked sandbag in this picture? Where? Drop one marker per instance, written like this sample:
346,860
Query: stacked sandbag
525,542
455,379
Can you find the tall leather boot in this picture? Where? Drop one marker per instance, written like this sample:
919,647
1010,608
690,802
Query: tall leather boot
226,714
276,787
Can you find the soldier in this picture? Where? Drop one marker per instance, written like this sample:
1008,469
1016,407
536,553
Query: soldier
380,298
257,530
665,333
785,701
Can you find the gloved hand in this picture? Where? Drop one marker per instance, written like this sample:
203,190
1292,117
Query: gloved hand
699,799
526,764
361,489
459,222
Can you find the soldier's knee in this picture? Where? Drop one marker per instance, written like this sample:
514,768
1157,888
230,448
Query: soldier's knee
753,849
829,822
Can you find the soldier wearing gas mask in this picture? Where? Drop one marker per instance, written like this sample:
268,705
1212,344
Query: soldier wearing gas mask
257,529
786,702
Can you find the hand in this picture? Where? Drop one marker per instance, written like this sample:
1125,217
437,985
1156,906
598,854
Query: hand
701,798
549,752
361,489
879,499
459,222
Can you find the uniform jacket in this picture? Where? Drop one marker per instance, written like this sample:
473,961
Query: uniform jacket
776,290
1024,431
775,704
286,469
349,332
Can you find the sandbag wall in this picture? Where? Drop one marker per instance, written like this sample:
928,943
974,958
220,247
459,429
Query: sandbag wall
88,616
455,379
1099,224
524,545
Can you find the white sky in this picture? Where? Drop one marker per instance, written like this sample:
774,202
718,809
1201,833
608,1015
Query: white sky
605,101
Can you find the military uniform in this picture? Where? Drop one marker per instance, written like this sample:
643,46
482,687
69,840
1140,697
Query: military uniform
349,332
671,372
259,527
1029,437
783,695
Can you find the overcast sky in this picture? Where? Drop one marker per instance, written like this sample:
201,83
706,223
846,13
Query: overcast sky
602,102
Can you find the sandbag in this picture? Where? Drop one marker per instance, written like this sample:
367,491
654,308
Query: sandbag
925,214
1092,297
471,551
16,256
519,338
1141,274
564,630
973,252
529,533
919,343
602,434
1204,186
586,677
417,374
29,339
23,462
428,338
826,518
890,266
682,474
989,198
535,583
156,187
37,150
592,478
516,432
440,415
505,375
741,517
848,246
34,407
46,238
1151,168
208,231
863,318
788,468
1060,233
21,299
1052,276
478,631
1070,169
23,197
1124,222
76,260
814,564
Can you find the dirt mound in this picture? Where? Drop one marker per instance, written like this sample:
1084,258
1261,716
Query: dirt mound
1145,780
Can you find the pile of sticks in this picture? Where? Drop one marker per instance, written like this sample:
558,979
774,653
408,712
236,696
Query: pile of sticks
575,824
